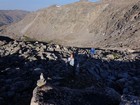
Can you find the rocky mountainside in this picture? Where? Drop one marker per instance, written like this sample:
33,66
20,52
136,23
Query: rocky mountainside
108,23
110,77
10,16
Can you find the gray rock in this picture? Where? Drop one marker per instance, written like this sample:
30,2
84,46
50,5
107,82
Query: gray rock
110,57
51,56
130,100
32,58
40,54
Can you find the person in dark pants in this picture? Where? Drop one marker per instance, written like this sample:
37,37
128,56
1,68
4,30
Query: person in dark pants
71,63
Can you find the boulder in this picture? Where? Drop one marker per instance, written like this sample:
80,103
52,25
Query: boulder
110,56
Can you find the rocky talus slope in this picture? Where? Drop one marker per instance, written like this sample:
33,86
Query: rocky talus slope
108,23
111,77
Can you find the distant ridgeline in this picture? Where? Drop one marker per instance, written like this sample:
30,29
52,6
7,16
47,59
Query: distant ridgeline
83,0
10,16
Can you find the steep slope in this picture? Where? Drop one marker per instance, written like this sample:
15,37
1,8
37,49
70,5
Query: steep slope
10,16
104,24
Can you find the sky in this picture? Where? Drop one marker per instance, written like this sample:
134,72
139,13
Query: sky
32,5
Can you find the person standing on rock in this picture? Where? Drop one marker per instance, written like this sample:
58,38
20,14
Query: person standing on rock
71,61
92,52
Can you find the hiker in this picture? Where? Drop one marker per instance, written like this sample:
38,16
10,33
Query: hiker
71,63
71,60
77,60
92,52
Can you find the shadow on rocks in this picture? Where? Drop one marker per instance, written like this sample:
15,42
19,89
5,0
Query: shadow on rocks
18,76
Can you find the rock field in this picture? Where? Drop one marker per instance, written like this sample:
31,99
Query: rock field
110,77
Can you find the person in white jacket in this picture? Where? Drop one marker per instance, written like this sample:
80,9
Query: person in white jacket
71,63
71,60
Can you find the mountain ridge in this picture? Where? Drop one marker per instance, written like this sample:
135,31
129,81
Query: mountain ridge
10,16
103,24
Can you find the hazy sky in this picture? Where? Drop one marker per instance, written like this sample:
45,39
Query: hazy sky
31,5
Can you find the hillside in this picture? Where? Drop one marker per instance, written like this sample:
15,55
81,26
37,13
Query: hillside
108,23
10,16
